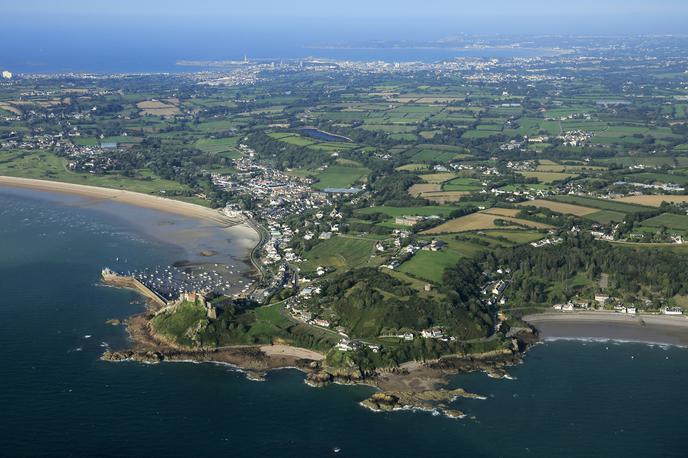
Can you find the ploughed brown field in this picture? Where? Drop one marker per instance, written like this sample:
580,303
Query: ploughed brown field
561,207
652,201
157,108
479,221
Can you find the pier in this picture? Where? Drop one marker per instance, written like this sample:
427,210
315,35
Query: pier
125,281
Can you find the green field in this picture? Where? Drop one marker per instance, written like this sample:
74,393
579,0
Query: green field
658,177
440,210
462,184
606,217
340,252
649,161
521,187
217,145
430,265
46,166
294,139
414,167
430,155
548,177
517,237
338,176
221,125
473,134
668,220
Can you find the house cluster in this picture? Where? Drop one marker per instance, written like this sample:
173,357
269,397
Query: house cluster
547,242
406,336
600,232
629,310
14,140
665,187
522,165
406,251
493,291
352,345
412,220
570,306
575,137
512,145
600,301
270,187
432,333
520,192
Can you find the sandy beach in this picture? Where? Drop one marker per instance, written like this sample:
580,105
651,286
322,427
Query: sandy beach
659,329
127,197
205,236
288,350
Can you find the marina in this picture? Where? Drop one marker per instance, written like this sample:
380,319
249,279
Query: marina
167,283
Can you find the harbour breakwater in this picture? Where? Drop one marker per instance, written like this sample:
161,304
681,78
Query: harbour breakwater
124,281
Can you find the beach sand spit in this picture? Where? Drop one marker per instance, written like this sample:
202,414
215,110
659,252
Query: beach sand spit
128,197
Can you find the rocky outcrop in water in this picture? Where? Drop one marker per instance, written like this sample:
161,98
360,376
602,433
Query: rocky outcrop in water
128,355
432,401
319,379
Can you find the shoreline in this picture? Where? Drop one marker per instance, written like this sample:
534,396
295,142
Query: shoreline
610,326
160,203
202,233
259,359
254,360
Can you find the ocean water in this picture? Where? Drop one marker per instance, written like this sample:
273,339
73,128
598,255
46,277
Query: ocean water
49,45
58,399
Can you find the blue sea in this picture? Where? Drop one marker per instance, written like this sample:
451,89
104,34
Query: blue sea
84,44
57,398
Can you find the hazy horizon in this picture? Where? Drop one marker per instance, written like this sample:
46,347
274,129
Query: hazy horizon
77,35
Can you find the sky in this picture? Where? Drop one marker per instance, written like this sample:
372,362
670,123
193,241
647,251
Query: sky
56,35
347,8
492,16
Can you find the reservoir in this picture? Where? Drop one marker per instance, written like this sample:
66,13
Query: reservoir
323,136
